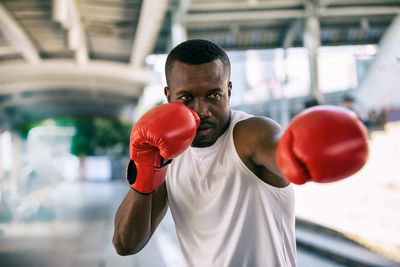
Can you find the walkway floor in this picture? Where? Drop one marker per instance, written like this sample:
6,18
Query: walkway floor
74,228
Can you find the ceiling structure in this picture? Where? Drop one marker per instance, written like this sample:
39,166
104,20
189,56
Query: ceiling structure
74,57
87,57
248,24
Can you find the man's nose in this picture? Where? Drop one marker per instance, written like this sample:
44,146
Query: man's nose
201,107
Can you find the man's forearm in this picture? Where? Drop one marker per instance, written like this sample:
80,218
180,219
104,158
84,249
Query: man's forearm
132,223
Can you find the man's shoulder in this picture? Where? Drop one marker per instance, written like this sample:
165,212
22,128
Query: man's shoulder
247,122
254,129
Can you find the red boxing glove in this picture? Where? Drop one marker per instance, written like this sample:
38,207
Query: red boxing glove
161,134
323,144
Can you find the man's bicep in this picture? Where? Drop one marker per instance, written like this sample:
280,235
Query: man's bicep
265,155
263,135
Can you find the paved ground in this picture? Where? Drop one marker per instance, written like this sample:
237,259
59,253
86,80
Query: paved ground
74,228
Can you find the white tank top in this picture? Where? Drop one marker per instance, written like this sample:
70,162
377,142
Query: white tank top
224,214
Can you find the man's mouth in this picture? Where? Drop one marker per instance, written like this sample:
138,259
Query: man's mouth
204,130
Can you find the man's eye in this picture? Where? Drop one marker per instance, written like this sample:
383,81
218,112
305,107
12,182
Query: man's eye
214,96
184,98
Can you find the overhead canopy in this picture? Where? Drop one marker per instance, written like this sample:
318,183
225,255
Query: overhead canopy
248,24
87,57
69,57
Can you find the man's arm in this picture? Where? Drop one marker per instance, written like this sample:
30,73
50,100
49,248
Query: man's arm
158,136
322,144
137,218
256,140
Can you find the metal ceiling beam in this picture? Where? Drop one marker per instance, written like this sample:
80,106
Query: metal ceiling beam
356,2
227,6
113,77
54,84
17,36
257,15
8,50
25,113
119,11
275,4
358,11
150,21
44,100
66,12
264,15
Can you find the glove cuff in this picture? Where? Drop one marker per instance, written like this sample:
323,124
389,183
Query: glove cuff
146,179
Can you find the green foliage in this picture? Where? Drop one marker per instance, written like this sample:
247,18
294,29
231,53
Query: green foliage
83,142
23,130
94,135
101,136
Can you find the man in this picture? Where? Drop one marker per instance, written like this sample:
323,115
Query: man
230,202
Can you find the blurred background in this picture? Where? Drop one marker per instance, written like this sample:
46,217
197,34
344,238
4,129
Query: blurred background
76,74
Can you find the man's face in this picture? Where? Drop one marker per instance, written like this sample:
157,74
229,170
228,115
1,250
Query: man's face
206,89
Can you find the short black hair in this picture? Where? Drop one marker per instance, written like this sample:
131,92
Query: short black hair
196,52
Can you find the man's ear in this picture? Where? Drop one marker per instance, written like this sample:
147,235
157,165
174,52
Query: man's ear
167,93
229,88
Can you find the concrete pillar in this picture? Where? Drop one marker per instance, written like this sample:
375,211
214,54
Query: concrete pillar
1,170
284,103
15,164
312,40
290,36
178,30
178,34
